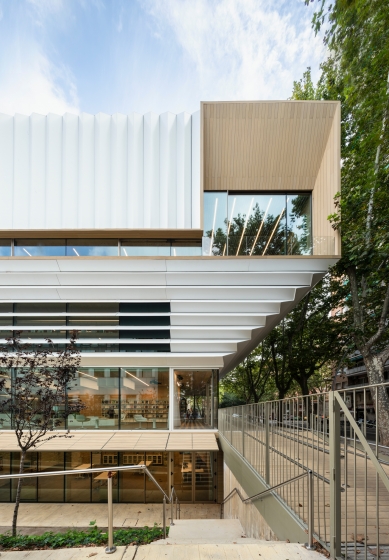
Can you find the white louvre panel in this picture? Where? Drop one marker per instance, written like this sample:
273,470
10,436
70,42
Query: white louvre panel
84,172
215,313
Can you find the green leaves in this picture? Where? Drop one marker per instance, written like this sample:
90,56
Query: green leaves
74,538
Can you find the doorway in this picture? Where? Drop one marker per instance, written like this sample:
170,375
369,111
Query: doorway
194,476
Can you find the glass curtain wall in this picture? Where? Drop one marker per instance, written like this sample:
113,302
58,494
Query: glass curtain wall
194,399
125,398
257,224
145,398
134,399
5,468
100,247
97,390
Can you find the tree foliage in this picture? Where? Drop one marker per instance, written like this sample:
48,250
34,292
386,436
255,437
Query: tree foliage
295,353
356,73
33,386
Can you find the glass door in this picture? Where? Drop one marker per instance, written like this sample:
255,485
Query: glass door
194,476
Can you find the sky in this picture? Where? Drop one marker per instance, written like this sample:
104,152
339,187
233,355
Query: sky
119,56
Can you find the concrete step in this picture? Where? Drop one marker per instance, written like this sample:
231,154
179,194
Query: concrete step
263,551
206,531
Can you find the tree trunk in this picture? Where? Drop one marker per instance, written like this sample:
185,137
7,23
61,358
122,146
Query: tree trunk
375,372
18,493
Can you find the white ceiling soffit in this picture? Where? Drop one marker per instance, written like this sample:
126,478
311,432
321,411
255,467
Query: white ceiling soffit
121,441
221,308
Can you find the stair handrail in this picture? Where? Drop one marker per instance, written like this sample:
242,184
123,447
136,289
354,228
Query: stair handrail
178,505
309,545
112,469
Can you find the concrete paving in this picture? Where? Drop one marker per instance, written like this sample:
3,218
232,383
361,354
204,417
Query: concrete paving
95,553
62,516
267,551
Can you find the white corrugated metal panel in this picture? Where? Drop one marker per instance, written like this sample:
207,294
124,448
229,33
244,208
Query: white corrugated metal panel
102,171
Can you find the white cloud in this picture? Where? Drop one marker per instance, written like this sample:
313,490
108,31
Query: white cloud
30,83
241,49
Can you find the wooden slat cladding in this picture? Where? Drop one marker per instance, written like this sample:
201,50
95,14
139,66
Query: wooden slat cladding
275,146
326,186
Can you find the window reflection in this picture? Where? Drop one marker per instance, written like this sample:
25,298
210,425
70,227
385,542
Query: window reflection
77,486
145,398
215,223
92,248
5,247
257,224
145,248
299,225
39,248
97,389
5,468
193,406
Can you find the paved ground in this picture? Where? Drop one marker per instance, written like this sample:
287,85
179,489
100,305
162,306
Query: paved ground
267,551
61,516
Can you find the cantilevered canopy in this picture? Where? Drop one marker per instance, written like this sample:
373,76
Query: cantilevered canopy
120,441
220,308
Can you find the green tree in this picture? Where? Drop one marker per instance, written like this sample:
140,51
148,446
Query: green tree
307,340
249,381
33,388
356,73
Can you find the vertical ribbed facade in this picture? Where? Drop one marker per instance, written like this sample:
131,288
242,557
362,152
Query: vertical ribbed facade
102,171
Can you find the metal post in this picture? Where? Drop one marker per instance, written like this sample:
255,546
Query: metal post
242,431
110,548
335,488
309,545
164,517
179,510
267,446
176,507
171,510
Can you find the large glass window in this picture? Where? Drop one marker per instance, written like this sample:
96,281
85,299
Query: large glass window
194,399
5,247
39,248
256,224
145,248
29,490
299,224
50,488
145,398
215,223
186,249
5,468
77,486
97,389
100,480
92,248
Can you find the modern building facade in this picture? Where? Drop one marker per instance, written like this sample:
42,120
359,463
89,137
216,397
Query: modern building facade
173,244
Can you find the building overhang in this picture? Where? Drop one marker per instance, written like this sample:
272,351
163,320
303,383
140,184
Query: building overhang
120,441
220,308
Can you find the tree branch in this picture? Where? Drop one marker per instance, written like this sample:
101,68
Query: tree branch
382,324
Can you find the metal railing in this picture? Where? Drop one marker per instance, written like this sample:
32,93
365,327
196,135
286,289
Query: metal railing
110,470
336,436
309,545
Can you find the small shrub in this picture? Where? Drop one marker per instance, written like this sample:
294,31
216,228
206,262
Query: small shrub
73,538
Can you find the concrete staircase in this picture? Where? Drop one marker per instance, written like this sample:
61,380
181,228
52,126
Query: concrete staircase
219,539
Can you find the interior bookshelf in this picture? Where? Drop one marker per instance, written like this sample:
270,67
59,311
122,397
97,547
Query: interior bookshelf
157,409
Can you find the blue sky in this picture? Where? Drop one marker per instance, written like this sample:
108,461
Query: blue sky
159,55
